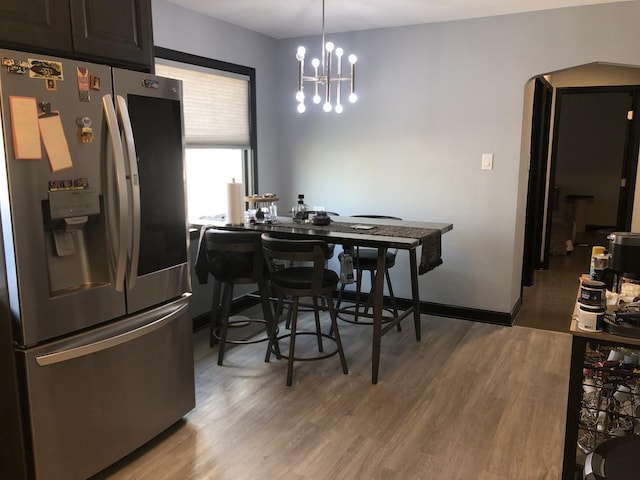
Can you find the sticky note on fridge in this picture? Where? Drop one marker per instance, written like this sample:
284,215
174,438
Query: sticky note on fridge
55,142
24,128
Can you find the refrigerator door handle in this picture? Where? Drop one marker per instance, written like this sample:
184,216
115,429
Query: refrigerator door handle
123,113
91,348
119,251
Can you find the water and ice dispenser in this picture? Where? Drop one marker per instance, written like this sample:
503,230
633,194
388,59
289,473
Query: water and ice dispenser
76,248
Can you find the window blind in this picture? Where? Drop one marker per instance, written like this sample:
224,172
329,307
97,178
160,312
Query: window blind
216,106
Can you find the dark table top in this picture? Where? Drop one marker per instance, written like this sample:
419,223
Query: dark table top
362,232
401,234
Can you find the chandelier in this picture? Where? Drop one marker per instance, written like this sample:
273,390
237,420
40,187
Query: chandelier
324,76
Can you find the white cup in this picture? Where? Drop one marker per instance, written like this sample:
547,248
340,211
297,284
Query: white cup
589,385
602,423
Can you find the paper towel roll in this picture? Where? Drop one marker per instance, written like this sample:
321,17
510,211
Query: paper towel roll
235,203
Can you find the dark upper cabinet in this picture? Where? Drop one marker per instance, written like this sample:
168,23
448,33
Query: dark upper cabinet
115,32
35,23
118,29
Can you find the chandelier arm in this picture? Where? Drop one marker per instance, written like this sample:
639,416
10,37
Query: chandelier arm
327,94
353,79
300,74
338,80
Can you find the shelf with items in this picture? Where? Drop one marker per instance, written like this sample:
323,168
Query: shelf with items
595,374
262,208
610,401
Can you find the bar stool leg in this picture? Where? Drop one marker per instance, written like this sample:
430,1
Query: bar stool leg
393,297
372,279
358,289
318,328
272,328
273,338
227,295
215,308
292,343
336,334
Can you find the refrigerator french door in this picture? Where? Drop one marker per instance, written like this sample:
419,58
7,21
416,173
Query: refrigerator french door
96,279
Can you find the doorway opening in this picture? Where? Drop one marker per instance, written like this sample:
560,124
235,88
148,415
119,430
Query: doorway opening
582,178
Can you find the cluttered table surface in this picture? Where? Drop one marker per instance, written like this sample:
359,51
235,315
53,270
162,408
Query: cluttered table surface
381,234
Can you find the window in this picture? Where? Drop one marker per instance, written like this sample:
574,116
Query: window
208,172
219,108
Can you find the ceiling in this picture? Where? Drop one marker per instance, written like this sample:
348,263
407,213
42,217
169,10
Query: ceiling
296,18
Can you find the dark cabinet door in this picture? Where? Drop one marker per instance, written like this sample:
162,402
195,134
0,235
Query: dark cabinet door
35,23
113,29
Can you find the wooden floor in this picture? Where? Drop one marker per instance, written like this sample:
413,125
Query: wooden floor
548,304
469,401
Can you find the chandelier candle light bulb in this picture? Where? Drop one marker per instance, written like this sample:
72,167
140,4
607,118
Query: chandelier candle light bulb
323,76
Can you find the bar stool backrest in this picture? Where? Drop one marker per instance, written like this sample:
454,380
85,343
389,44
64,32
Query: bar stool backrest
289,251
235,256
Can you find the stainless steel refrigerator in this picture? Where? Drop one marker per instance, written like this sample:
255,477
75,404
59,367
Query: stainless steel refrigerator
96,353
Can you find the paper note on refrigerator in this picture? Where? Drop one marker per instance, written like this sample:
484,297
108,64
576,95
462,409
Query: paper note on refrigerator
55,143
24,127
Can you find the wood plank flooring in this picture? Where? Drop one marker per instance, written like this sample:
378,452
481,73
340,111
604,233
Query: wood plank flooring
549,302
469,401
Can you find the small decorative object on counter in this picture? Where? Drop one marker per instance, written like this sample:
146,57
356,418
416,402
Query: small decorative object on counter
321,218
300,212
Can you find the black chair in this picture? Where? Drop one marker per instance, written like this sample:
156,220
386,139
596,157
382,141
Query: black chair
366,259
235,258
310,279
331,246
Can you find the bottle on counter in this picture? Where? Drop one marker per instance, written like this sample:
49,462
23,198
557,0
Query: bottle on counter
300,212
596,250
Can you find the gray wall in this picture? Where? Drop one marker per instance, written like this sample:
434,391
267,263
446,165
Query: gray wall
432,99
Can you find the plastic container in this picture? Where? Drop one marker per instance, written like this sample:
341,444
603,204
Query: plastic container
590,319
593,293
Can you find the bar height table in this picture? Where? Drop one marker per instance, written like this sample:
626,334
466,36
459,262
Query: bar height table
406,235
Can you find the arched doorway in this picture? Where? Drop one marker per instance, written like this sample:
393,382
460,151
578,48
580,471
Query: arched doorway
579,91
559,170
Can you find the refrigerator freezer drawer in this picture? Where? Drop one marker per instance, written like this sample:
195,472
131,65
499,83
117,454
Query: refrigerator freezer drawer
97,397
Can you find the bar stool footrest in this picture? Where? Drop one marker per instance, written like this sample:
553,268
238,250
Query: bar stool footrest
244,322
369,320
307,359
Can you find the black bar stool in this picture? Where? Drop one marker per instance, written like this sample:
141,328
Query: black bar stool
366,260
290,279
235,258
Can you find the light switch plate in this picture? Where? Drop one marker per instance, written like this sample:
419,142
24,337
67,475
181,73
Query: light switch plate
487,161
